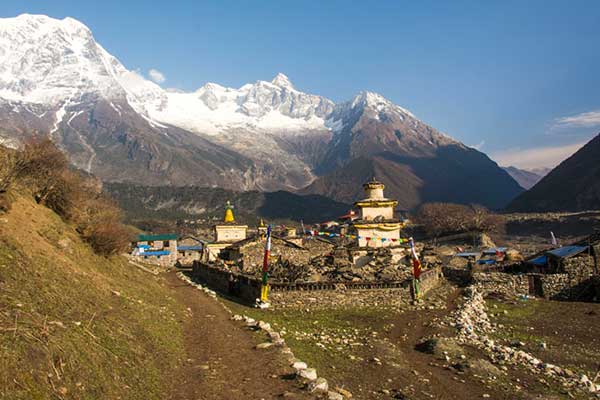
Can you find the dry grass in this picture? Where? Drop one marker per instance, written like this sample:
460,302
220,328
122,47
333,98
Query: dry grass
77,325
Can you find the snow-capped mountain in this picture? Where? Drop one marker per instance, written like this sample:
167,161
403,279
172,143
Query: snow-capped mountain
268,135
214,109
51,62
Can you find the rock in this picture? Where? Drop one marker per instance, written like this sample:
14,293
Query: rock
299,365
265,345
250,322
310,374
343,392
318,385
334,396
265,326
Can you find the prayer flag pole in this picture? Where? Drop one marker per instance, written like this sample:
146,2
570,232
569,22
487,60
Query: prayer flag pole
264,291
416,269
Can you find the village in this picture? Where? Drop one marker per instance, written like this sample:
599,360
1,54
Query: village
363,263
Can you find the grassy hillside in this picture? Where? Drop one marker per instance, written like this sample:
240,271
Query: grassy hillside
74,325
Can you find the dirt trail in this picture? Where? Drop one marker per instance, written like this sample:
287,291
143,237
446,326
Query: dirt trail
222,362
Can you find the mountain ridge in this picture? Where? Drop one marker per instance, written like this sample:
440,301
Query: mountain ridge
56,79
574,185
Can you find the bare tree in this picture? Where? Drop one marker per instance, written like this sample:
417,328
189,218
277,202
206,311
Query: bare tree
447,218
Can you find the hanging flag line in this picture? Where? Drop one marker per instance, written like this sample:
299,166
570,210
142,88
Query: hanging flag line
348,236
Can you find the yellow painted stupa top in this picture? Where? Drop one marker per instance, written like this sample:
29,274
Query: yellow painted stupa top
229,212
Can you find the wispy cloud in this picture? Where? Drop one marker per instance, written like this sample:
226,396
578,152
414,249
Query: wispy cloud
156,75
539,157
583,120
479,145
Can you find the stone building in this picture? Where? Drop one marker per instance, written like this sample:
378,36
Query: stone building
189,249
226,233
376,225
156,249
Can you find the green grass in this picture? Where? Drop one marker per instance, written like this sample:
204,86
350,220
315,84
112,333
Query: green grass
304,332
548,320
76,325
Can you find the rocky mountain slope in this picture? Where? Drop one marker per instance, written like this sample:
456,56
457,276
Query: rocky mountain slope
525,178
56,79
374,137
574,185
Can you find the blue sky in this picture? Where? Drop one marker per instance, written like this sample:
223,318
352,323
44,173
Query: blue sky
518,79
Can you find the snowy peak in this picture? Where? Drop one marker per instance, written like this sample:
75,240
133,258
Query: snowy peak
282,81
266,106
58,64
377,103
54,62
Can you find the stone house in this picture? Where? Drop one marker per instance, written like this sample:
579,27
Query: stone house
156,249
189,249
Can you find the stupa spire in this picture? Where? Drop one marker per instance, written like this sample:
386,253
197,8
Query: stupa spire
229,217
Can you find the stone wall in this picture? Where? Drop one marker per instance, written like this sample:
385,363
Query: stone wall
348,295
565,286
555,286
501,283
579,268
225,282
314,293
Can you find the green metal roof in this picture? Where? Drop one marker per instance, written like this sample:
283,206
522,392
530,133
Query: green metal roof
147,238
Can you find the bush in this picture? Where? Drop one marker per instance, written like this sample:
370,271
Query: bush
107,238
11,167
446,218
44,169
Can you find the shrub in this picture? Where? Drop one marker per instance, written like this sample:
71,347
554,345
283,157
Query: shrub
44,169
11,167
108,238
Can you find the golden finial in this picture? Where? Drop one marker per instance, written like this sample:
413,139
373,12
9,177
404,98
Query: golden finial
229,212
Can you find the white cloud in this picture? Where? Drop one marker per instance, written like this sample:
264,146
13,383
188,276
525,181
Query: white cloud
539,157
583,120
478,146
156,75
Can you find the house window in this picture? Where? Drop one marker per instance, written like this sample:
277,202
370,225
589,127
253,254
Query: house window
166,243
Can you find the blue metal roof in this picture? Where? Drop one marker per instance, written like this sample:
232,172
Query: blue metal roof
541,260
495,250
189,248
156,253
466,254
483,262
567,251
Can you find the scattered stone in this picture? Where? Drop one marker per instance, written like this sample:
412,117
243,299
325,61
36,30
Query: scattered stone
264,345
334,396
309,374
299,365
346,393
318,385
